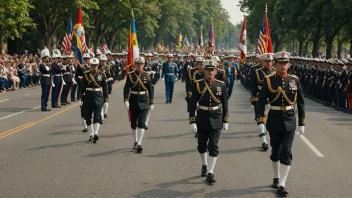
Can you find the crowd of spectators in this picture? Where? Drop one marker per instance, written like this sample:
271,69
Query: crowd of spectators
17,72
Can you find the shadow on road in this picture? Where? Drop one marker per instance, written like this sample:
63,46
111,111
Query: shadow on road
172,154
115,135
68,132
168,193
112,152
60,145
241,150
169,136
241,192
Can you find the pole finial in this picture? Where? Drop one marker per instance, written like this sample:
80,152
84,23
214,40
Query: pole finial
132,12
266,7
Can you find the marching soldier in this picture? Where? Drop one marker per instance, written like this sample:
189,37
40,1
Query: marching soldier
74,81
283,91
45,80
57,79
67,70
108,71
189,78
139,99
220,73
93,93
257,79
209,93
105,69
80,75
169,75
231,73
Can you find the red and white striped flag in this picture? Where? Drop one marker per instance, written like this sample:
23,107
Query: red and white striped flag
264,40
243,44
84,45
67,41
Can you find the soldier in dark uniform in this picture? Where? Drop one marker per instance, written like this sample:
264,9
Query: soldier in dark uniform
169,75
149,70
189,78
93,93
257,79
283,91
209,93
57,79
79,74
349,88
105,69
67,70
220,73
139,99
74,81
45,80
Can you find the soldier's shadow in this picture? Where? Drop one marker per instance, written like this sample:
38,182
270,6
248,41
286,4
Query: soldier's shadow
169,136
242,192
172,154
60,145
112,152
115,135
68,132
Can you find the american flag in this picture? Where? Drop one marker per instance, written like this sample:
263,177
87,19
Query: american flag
264,40
66,42
84,45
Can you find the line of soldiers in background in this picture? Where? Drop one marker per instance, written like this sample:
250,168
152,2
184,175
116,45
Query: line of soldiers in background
325,81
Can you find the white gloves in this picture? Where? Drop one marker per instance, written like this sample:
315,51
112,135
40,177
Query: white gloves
127,104
225,127
162,78
194,127
301,130
261,128
80,103
151,107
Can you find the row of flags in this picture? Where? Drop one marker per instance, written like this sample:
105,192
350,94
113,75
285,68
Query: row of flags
75,38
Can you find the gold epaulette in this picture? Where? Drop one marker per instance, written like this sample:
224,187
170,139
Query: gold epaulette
219,81
199,80
270,75
292,75
257,70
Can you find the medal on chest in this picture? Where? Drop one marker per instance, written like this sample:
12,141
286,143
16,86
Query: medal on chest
218,91
100,77
293,85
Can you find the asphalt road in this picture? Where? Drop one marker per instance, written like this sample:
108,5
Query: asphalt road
45,154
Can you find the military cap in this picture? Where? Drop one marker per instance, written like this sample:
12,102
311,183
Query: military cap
45,53
94,61
169,55
344,61
215,58
103,58
209,64
266,57
66,56
56,53
199,59
92,54
86,55
139,60
155,54
282,56
97,52
107,52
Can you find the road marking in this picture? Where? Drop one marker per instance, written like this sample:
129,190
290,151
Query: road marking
30,124
311,146
9,132
4,100
18,113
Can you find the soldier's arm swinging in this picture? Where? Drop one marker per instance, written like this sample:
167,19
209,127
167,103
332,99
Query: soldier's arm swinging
260,104
104,86
150,91
300,106
254,90
193,105
126,89
224,102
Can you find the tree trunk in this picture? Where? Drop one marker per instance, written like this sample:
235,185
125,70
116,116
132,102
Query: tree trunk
316,39
300,47
1,42
47,40
112,40
351,48
306,48
97,41
328,41
339,48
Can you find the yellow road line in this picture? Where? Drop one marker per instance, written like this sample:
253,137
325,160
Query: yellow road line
30,124
14,129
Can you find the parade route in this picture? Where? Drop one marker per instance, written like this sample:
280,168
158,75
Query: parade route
45,154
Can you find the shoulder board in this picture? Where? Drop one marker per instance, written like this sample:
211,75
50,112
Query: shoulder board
199,80
259,69
292,75
219,81
221,69
270,75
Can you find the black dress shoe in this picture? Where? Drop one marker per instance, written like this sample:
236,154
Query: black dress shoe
95,139
56,106
101,122
146,128
74,100
46,109
203,171
210,178
68,103
275,183
135,146
139,149
265,146
167,102
170,101
63,104
85,130
105,115
196,135
282,191
90,139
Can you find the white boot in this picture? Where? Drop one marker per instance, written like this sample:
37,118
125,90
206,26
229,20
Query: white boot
204,157
276,168
147,119
140,133
96,128
91,130
284,169
211,164
102,114
134,134
84,124
106,107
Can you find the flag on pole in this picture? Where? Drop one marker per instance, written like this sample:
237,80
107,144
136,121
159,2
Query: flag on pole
243,39
200,40
211,41
179,41
264,40
78,38
133,50
66,42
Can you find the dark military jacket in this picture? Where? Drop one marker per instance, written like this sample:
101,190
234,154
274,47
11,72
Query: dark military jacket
45,74
94,80
56,73
138,83
281,92
257,79
209,94
67,71
350,81
189,81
